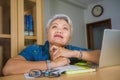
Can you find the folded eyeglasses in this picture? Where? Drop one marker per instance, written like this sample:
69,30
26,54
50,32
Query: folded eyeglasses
48,73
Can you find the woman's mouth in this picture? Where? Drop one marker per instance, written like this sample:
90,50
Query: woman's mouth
59,36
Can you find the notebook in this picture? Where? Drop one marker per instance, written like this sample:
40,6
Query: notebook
79,67
110,52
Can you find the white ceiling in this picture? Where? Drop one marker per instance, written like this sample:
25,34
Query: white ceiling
81,3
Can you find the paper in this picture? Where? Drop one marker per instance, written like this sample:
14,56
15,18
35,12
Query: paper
71,69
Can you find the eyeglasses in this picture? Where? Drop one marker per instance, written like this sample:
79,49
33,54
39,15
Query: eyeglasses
48,73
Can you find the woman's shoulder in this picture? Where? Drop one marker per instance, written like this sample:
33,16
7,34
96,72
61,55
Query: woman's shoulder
34,46
37,46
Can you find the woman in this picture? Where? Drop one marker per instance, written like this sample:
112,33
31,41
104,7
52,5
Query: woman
54,53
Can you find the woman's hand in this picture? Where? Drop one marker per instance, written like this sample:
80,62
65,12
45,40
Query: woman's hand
61,61
56,52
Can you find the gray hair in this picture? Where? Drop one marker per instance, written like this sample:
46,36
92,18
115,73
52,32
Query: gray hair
60,16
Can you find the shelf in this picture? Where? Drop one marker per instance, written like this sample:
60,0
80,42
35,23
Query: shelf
31,0
12,37
29,4
30,37
5,36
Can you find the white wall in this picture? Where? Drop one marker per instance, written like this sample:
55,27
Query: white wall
52,7
111,10
81,17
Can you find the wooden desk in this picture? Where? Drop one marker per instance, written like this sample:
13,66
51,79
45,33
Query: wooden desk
108,73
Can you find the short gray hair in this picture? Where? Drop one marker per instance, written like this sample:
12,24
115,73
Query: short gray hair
60,16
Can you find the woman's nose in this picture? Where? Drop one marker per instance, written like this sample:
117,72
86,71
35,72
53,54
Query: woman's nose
59,31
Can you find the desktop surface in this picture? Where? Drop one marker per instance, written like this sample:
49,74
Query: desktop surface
106,73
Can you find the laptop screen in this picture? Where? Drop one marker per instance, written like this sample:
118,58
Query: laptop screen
110,52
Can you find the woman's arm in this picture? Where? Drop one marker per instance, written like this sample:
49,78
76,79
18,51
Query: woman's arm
92,56
19,64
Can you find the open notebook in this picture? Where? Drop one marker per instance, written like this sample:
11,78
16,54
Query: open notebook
77,68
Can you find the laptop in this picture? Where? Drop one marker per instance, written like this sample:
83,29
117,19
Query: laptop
110,52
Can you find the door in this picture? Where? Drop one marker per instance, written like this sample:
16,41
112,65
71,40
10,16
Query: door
95,33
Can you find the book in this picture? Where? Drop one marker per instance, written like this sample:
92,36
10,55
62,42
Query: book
76,68
28,23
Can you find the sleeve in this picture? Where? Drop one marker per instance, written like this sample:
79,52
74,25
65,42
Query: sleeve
27,53
76,48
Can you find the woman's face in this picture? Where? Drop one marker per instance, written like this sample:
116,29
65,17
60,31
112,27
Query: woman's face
59,32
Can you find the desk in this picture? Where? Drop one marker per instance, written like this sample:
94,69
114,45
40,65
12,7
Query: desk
108,73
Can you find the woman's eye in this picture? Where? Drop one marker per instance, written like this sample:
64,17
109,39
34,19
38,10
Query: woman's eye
54,26
65,28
